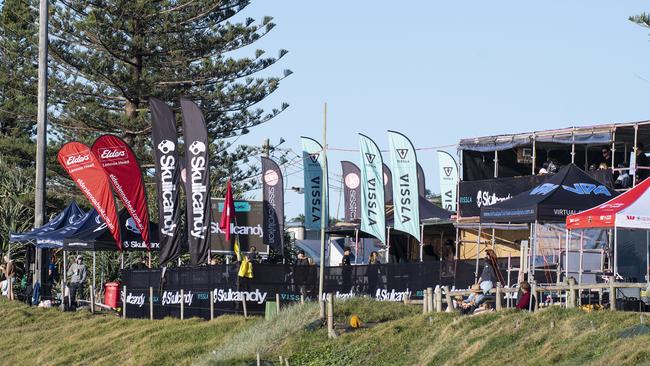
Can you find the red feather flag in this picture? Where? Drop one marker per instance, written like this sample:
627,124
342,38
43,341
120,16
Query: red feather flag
228,212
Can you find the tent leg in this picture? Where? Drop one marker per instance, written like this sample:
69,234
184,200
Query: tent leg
422,242
121,260
478,252
356,245
615,266
388,246
149,255
566,255
647,256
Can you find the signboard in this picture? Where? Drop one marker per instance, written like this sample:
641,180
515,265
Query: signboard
248,224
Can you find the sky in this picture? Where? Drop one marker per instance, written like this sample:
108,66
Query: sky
441,71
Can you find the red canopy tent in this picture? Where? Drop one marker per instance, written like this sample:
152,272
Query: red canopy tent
629,210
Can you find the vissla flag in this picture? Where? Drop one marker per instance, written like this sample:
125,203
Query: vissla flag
373,213
197,184
406,203
273,204
87,172
165,144
388,184
422,188
314,164
121,165
448,180
351,191
228,212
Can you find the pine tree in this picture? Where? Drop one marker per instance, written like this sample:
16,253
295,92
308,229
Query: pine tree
110,56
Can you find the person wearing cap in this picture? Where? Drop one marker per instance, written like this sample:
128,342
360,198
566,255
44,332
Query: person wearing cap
78,275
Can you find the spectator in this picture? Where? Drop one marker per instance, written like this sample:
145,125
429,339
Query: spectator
302,259
10,272
142,264
253,255
641,161
345,261
544,169
473,301
593,168
488,275
78,278
374,258
52,272
603,166
606,157
624,180
523,303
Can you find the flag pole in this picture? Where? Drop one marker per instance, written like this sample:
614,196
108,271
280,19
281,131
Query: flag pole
325,213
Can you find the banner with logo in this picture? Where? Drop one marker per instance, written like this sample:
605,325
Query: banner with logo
197,183
165,145
314,164
403,162
448,180
388,183
86,171
373,212
273,203
481,193
248,225
123,169
422,182
351,191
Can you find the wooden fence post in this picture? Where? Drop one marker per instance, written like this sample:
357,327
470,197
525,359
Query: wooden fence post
302,299
425,301
571,296
430,300
124,302
438,298
92,299
450,301
612,293
277,303
498,298
330,316
150,302
534,298
244,306
212,297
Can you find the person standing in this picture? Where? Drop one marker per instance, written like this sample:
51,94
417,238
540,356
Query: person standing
347,252
10,272
79,273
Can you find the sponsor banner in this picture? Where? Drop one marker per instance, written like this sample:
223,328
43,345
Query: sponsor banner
86,171
197,184
406,203
422,182
351,191
165,145
373,212
314,164
248,224
123,169
483,193
388,183
273,204
448,180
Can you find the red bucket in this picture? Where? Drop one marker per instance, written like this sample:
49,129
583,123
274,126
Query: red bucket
112,294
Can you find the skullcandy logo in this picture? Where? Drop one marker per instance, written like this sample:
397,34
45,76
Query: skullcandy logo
135,300
166,146
112,153
402,153
167,188
198,189
485,198
130,226
271,177
197,147
76,159
352,181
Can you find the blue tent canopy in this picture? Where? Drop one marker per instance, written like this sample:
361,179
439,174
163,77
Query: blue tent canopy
54,239
69,215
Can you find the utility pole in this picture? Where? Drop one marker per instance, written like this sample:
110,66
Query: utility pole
41,137
266,147
325,214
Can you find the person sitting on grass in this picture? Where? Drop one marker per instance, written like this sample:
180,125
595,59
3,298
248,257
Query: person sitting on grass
473,300
523,303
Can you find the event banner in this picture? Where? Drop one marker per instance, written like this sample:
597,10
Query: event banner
165,142
123,169
273,203
351,191
448,180
403,161
422,182
373,212
248,225
479,193
314,164
388,183
197,184
86,171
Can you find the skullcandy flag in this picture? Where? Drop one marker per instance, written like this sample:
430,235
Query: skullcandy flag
273,204
314,164
406,203
373,212
351,190
121,165
85,169
197,183
165,144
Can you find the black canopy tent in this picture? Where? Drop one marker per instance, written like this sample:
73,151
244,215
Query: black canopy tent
567,192
68,216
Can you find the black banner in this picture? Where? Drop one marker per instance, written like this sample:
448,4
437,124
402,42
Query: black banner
165,144
197,182
481,193
422,182
249,226
388,184
272,204
351,191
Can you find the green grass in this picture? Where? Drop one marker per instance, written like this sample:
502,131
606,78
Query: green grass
401,336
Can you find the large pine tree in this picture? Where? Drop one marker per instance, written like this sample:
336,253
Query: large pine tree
110,56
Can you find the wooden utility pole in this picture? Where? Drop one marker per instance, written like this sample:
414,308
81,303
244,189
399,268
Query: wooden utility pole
324,210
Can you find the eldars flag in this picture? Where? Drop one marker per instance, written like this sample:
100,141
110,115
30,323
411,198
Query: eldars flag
197,183
403,161
373,213
168,175
86,171
123,169
273,204
313,163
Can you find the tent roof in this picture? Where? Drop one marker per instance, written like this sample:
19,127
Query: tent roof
428,212
631,210
66,217
569,191
54,239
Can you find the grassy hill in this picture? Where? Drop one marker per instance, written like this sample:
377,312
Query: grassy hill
402,336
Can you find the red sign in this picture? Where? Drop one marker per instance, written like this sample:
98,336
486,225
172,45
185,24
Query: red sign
119,162
86,171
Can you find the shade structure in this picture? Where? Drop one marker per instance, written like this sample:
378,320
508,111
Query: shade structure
98,238
629,210
68,216
567,192
54,239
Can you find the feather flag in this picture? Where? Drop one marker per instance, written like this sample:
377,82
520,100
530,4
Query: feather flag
236,248
228,212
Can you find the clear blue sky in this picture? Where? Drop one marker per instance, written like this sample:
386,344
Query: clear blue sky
441,71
